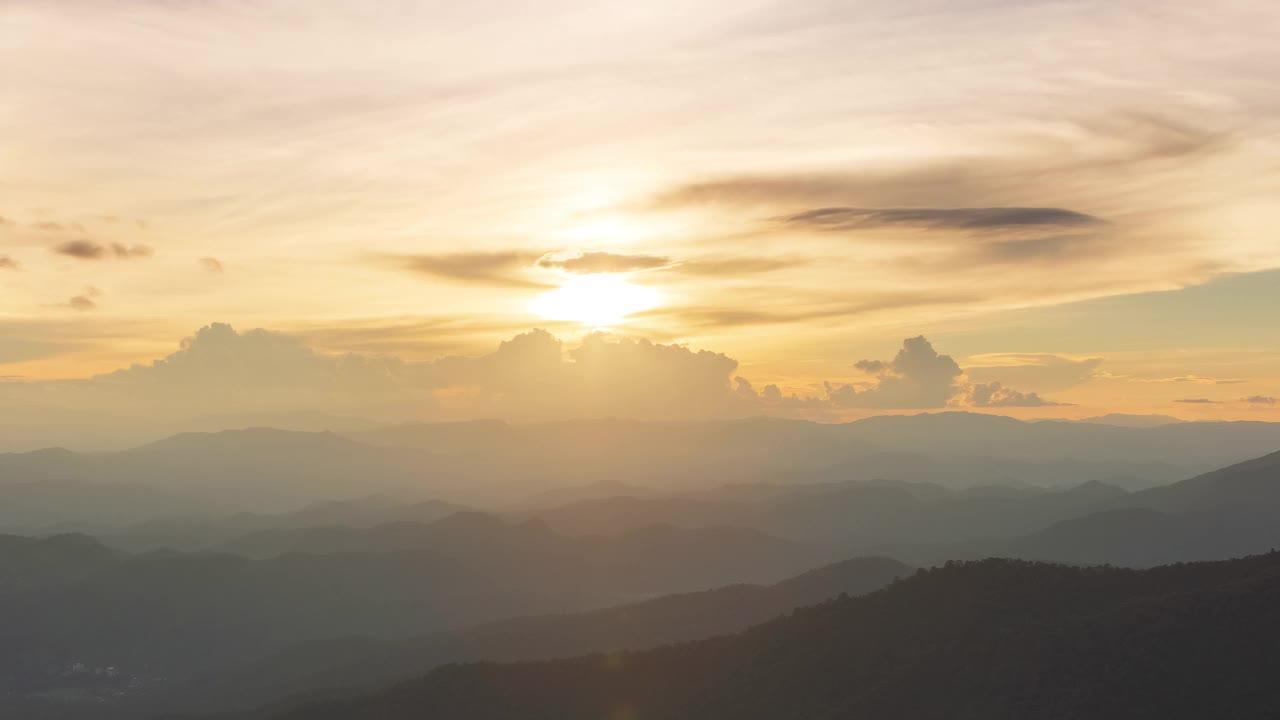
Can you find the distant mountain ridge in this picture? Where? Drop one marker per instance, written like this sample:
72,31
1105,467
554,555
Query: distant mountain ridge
489,463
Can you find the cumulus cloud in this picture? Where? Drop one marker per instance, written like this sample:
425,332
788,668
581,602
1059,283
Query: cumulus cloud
993,394
533,376
218,357
916,378
211,264
8,263
90,250
1261,400
530,376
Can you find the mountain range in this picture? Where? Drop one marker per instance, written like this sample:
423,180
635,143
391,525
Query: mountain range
979,640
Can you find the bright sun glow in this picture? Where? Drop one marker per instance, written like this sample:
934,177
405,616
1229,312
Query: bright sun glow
599,300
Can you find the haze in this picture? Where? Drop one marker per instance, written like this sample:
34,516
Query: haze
589,359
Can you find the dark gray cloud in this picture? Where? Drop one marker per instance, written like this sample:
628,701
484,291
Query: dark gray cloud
90,250
211,264
983,218
501,269
8,263
994,394
1261,400
604,262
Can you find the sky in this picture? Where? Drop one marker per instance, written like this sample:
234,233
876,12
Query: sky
662,209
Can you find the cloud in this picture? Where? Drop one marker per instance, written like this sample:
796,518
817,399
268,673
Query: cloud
916,378
81,249
90,250
211,264
603,262
1196,401
1194,379
1261,400
8,263
1043,372
734,266
530,376
993,394
1099,147
985,219
700,316
131,251
85,301
501,269
219,358
510,268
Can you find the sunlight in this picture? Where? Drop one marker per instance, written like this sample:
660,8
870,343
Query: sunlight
599,300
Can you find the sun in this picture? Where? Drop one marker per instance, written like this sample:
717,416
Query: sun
600,300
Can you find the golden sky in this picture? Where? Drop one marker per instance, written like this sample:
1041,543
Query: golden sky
1074,201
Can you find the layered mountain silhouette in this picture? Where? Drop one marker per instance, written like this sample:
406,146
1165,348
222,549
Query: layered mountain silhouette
349,665
1221,514
989,639
492,463
174,615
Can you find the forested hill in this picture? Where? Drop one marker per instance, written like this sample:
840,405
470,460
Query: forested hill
980,640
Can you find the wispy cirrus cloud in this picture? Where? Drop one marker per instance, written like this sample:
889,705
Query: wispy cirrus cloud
603,262
977,219
506,268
